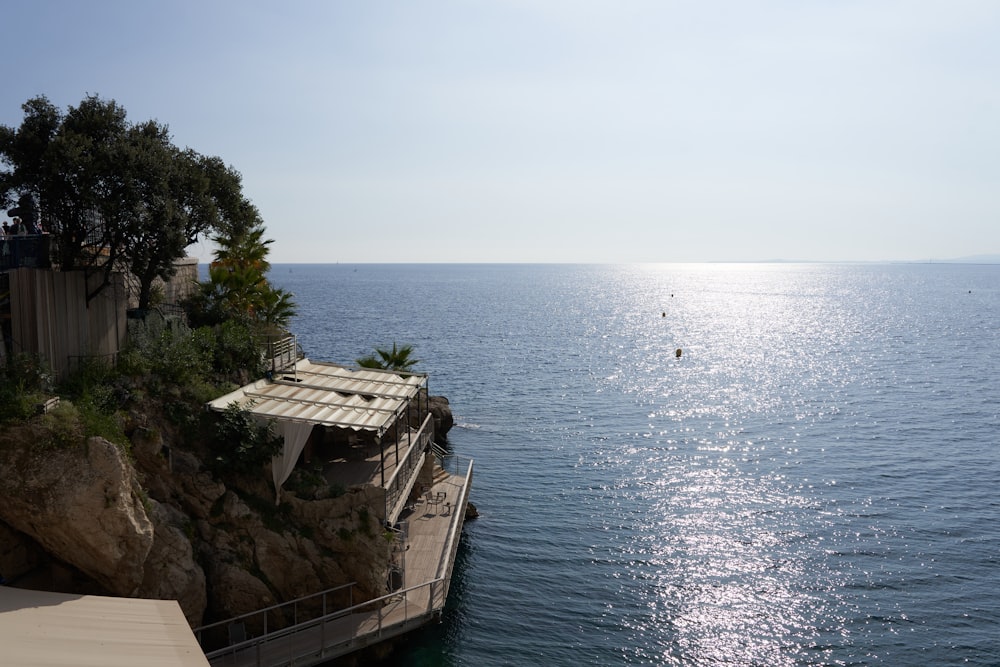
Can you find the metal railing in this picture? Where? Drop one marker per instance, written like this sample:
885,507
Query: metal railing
448,555
401,481
29,251
282,353
329,635
284,615
454,464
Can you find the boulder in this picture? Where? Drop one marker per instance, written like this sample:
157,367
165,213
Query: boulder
198,490
440,410
171,572
82,504
237,592
285,564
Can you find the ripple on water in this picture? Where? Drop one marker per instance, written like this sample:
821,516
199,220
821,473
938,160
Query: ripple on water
812,482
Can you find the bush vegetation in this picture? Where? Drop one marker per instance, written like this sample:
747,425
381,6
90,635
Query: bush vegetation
164,367
118,196
24,383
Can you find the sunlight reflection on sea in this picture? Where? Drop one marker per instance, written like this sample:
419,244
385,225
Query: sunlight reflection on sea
810,482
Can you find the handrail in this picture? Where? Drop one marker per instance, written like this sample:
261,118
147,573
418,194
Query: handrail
380,602
453,461
448,554
266,610
401,481
283,353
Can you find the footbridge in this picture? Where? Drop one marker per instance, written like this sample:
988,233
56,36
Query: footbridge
323,626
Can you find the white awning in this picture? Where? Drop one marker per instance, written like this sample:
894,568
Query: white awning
313,393
328,395
55,629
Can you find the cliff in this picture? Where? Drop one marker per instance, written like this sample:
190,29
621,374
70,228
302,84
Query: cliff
149,519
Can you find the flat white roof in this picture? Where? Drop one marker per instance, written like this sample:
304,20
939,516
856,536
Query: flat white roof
55,629
329,395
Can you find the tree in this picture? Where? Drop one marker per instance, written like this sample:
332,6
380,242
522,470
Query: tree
165,202
68,162
114,195
237,287
397,359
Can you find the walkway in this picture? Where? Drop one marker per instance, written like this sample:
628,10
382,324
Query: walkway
434,529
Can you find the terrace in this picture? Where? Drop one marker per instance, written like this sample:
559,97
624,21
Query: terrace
375,426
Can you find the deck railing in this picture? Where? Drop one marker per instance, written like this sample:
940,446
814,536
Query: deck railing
234,630
455,465
282,353
29,251
327,636
399,485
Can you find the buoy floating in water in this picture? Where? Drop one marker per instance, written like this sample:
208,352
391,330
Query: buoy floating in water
678,353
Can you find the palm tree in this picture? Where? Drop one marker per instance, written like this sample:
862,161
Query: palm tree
238,287
397,359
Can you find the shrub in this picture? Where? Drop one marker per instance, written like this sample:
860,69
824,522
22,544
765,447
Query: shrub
240,444
24,382
64,425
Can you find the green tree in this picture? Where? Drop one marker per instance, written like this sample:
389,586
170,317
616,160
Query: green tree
115,196
68,163
168,204
237,286
396,359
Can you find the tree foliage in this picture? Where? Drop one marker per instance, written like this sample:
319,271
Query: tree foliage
114,195
396,359
241,445
237,286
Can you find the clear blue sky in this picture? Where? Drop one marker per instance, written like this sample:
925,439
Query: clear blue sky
559,130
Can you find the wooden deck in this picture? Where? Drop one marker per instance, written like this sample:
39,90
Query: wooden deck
433,531
363,465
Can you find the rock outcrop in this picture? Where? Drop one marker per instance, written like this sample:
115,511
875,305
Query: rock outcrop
83,503
170,571
158,524
443,418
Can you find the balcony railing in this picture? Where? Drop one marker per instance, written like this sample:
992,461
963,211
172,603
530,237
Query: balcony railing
24,251
398,487
322,635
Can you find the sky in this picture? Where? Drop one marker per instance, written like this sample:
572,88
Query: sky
559,130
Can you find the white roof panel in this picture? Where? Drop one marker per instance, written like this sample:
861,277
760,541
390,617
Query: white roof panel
329,395
56,629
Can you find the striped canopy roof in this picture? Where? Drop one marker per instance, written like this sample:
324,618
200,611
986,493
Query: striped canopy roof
329,395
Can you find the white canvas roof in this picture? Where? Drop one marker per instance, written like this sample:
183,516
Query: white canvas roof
327,394
54,629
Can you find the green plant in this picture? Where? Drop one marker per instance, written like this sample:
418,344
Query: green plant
24,382
396,359
100,419
240,444
64,426
364,518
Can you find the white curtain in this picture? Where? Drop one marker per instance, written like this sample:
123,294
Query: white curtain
295,435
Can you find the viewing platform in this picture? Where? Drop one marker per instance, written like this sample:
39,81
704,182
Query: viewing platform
320,627
24,250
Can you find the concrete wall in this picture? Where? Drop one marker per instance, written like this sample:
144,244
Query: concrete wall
50,317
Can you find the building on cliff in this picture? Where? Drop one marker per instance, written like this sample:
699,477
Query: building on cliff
366,429
364,426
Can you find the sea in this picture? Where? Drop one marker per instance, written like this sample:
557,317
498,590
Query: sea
701,464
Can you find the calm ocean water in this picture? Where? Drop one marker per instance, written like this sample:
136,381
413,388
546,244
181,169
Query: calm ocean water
814,480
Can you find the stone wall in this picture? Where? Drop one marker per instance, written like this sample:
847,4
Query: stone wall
184,283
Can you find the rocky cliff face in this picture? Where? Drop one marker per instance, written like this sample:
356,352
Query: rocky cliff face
157,524
83,503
